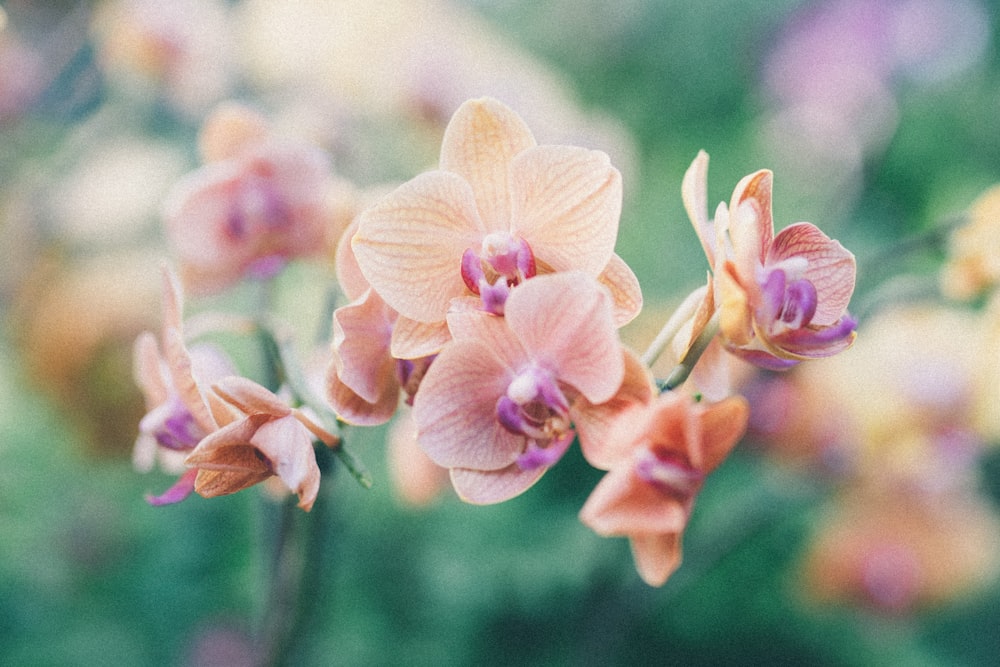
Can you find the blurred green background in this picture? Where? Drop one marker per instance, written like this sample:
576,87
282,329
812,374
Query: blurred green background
90,574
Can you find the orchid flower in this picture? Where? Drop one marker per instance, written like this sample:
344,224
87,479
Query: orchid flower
260,436
674,443
498,403
498,211
257,203
174,383
782,298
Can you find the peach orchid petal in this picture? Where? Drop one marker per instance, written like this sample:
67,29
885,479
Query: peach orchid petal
486,487
223,412
266,204
566,205
735,316
694,193
179,362
489,330
596,424
362,331
250,397
173,299
751,226
349,276
657,556
622,504
288,446
229,437
648,496
409,246
412,339
831,267
626,293
354,409
719,429
565,320
479,144
249,451
455,409
211,483
148,370
712,376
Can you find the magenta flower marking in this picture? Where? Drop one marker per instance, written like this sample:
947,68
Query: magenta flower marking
536,408
502,263
172,425
667,472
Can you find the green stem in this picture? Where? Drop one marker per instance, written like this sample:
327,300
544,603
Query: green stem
297,587
276,622
274,372
931,238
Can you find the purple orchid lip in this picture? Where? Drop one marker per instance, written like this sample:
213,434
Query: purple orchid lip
536,456
180,490
667,472
172,425
822,342
536,408
494,297
799,305
256,202
793,304
410,372
472,270
502,263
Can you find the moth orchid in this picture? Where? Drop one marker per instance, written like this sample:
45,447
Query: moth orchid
782,298
174,382
648,496
497,405
499,210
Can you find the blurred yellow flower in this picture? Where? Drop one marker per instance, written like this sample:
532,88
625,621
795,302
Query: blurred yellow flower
974,250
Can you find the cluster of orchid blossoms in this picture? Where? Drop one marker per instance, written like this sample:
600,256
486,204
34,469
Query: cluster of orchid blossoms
487,295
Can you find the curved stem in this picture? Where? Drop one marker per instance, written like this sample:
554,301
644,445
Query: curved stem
275,624
928,239
299,559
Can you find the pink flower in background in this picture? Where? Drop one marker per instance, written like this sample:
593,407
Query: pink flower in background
782,298
499,210
416,480
260,203
24,74
497,404
259,437
648,495
831,79
172,380
898,552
